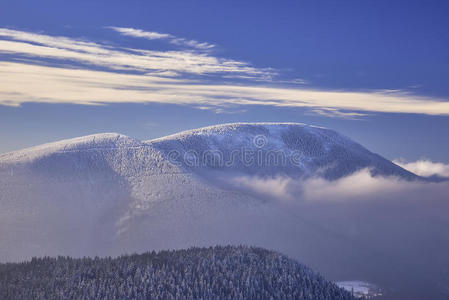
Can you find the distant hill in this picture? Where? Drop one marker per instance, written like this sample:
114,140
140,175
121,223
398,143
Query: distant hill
197,273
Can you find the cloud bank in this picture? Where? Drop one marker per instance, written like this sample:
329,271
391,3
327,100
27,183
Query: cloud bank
425,167
359,186
51,69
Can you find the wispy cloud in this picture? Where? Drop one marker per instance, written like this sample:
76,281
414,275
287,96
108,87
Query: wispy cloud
335,113
43,68
69,51
151,35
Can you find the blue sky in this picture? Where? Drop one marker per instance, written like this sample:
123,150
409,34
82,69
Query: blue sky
376,71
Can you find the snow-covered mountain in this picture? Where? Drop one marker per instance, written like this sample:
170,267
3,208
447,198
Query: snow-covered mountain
109,193
271,149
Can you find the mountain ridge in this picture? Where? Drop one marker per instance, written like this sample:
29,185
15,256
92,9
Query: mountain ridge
266,131
272,136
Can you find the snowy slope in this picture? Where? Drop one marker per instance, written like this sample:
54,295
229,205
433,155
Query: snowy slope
109,193
84,195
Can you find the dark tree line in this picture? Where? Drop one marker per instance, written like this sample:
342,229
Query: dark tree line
197,273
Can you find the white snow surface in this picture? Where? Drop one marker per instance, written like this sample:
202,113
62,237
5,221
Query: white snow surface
109,194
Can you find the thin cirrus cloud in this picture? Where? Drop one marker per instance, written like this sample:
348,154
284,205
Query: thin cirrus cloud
68,51
51,69
151,35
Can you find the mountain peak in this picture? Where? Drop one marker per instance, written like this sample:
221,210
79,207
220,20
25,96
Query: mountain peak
272,149
84,143
235,127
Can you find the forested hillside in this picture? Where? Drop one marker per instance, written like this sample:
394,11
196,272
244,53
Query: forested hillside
206,273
